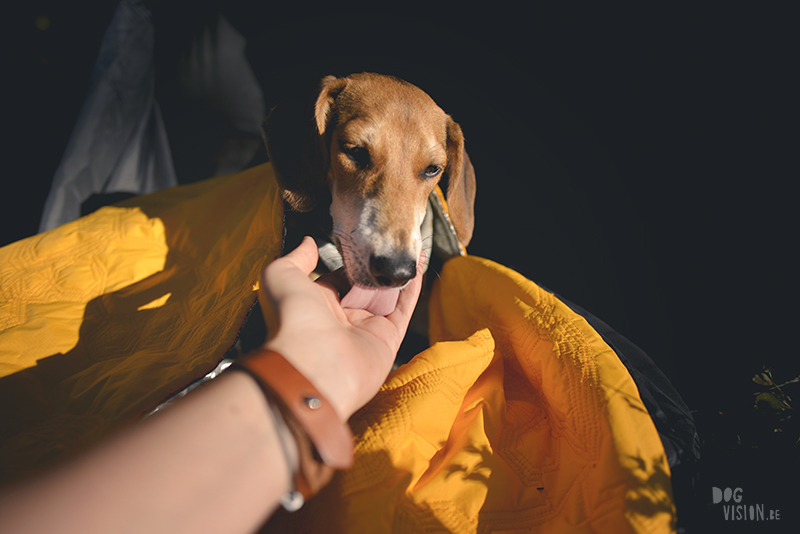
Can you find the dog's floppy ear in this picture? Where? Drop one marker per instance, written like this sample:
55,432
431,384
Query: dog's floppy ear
294,134
460,184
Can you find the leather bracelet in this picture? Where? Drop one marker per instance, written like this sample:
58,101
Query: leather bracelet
324,442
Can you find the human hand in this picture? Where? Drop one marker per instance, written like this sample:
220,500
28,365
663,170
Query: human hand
346,353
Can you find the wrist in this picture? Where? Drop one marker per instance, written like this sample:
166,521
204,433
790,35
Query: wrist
323,365
322,441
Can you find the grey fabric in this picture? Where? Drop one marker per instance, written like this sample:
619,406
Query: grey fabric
119,143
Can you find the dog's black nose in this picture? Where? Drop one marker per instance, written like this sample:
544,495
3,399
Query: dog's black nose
393,271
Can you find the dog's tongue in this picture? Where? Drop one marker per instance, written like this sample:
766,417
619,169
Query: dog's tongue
374,300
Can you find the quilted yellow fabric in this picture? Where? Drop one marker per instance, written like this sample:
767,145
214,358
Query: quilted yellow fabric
519,417
104,317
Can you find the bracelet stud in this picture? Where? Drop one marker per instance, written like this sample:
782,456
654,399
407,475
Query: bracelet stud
292,501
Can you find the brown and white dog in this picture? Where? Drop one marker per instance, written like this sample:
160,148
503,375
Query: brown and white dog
369,150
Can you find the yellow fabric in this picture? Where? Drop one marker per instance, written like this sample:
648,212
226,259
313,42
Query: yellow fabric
104,317
519,418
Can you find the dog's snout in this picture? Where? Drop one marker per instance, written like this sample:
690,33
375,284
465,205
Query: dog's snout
393,271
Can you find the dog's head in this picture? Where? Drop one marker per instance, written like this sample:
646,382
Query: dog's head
374,147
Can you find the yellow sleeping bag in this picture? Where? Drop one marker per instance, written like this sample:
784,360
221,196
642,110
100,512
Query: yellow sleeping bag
518,418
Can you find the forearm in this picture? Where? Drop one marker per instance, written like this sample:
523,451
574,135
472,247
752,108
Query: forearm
210,463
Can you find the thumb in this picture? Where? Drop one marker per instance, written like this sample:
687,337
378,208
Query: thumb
284,277
305,256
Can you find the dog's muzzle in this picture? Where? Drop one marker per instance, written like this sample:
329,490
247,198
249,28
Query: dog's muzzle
438,238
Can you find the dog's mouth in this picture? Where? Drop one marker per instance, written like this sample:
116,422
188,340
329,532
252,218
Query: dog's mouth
357,286
376,299
367,296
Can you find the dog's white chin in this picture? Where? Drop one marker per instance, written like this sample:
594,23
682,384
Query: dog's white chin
377,301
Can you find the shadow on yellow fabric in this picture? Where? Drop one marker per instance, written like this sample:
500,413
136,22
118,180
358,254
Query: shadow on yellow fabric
104,317
518,418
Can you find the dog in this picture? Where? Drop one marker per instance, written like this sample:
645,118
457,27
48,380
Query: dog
367,152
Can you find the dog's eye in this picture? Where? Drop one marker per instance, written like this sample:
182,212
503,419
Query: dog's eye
432,171
359,155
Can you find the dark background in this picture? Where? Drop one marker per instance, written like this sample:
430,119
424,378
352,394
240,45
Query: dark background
639,161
